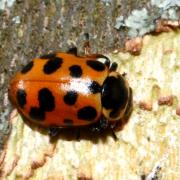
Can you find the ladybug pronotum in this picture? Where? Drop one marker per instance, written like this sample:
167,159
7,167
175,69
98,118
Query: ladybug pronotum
64,90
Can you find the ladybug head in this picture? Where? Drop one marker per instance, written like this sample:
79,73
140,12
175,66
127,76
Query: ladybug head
116,97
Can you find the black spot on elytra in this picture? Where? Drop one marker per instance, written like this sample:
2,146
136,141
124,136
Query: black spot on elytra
96,65
75,71
37,113
52,65
95,87
70,98
87,113
27,68
46,100
68,122
21,97
48,56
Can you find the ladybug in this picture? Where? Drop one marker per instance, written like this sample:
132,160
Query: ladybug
64,90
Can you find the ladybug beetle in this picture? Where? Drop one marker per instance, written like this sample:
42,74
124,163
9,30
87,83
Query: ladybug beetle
63,90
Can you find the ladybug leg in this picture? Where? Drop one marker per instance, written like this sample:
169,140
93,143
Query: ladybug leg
113,67
101,125
73,51
114,135
78,134
124,74
53,132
